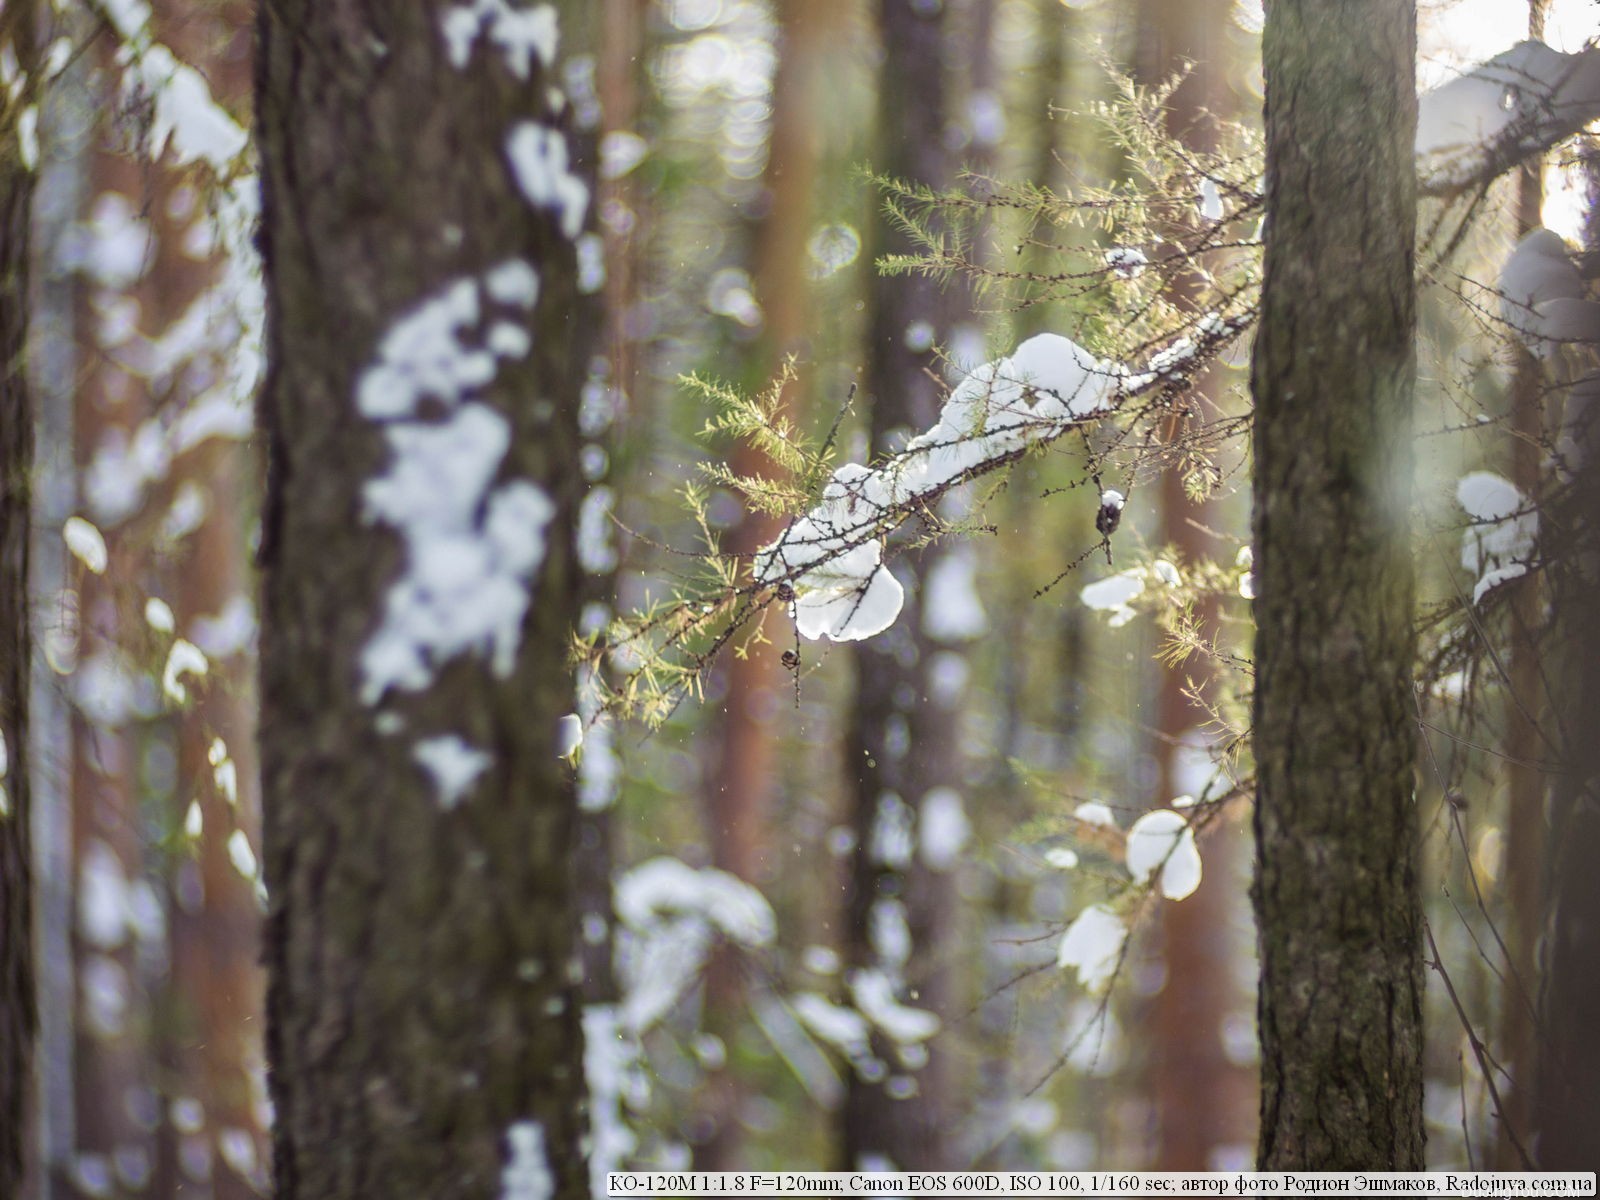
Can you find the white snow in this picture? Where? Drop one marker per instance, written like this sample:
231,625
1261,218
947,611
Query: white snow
943,828
889,933
526,1175
539,164
843,1028
228,631
454,765
820,960
1210,200
873,992
1113,593
1524,95
667,911
664,886
241,855
1092,812
892,838
112,247
569,735
184,658
1093,944
611,1067
621,150
596,552
521,34
86,544
1542,295
1501,542
952,610
1127,261
472,549
1162,840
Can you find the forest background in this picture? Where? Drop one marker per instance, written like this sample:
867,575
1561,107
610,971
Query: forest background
972,891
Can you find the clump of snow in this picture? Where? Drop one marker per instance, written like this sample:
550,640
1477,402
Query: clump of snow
668,911
473,549
539,164
952,610
454,765
1092,812
889,933
612,1068
943,828
1162,841
1127,261
186,119
1525,96
1542,295
184,658
241,855
873,990
86,544
569,735
526,1175
833,555
1113,593
521,34
112,247
597,553
893,835
843,1028
1501,542
1093,944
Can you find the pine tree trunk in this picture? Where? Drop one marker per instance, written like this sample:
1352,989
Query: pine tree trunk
904,742
423,1019
18,1016
1336,893
1566,1100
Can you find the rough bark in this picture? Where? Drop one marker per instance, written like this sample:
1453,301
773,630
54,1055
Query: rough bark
904,740
1566,1100
18,1016
423,1019
1336,892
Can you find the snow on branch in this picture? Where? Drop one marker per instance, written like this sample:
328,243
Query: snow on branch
1485,122
829,563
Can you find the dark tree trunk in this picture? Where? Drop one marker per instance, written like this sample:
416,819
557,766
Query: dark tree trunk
18,1016
421,411
904,740
1336,892
1566,1101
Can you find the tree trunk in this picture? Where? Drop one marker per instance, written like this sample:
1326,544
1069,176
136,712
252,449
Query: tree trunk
741,800
1336,891
427,344
1566,1101
904,741
18,1015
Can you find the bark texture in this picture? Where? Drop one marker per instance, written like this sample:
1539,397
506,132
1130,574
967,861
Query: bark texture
1336,892
1566,1100
18,1016
904,736
424,1030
